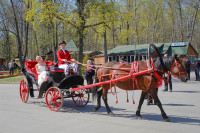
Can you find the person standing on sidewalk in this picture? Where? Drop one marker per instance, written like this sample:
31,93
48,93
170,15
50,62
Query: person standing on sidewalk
11,67
168,80
187,67
89,73
196,67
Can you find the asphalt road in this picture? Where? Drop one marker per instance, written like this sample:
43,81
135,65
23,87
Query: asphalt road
182,106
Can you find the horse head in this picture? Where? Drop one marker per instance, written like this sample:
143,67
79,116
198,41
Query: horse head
173,66
178,70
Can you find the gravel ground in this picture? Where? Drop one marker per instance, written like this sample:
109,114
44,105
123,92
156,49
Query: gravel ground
182,106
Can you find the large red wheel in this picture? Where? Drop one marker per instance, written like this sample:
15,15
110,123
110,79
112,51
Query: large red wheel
81,97
54,99
24,90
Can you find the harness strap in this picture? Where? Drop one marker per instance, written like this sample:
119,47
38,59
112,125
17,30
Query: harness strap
114,84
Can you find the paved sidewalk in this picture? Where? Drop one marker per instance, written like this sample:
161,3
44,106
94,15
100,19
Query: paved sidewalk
182,106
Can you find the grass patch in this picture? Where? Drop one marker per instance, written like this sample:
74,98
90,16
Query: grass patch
12,79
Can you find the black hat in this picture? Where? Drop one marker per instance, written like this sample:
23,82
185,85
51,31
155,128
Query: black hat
62,42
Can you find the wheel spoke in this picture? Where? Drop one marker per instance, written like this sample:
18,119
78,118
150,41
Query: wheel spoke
50,95
24,96
54,92
54,105
84,100
51,104
58,104
77,99
58,94
79,102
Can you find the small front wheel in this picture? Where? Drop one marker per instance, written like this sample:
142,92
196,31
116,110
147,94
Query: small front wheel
54,99
81,97
24,90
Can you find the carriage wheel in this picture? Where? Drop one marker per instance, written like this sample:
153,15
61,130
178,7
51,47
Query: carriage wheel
24,90
54,99
81,97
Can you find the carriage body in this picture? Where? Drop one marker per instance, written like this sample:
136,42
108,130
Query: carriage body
55,88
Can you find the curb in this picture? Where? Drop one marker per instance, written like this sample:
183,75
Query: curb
9,82
9,76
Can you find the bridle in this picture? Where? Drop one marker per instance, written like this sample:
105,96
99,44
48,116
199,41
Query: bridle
176,63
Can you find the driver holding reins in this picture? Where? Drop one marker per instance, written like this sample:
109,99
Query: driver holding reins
65,59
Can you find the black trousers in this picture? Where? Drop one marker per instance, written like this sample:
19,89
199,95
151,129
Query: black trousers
188,73
11,70
197,73
89,81
170,83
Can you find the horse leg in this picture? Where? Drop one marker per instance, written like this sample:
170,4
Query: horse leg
158,103
142,97
105,99
99,94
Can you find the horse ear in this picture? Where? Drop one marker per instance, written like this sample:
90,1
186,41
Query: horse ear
176,56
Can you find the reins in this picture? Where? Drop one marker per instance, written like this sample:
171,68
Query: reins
175,63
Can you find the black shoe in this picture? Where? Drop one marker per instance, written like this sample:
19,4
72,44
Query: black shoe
149,102
170,90
31,93
164,90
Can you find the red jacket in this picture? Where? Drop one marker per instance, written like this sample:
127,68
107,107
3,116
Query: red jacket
61,55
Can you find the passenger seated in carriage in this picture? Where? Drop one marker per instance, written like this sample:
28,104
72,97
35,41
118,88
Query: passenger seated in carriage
41,70
65,59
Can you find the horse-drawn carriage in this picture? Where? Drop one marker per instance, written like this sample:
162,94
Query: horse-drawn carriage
55,88
141,75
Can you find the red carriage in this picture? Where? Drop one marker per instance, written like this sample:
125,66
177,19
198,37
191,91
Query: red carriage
55,88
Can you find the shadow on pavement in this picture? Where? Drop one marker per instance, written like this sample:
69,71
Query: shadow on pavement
188,91
177,104
70,107
157,117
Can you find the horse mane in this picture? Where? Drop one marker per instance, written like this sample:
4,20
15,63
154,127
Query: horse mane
167,62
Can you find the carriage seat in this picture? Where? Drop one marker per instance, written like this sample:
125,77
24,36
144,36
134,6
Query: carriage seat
35,73
30,65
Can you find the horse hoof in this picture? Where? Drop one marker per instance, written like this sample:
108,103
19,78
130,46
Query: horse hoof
96,109
139,117
111,114
167,120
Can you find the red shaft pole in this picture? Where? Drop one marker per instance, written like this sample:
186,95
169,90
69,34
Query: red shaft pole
114,80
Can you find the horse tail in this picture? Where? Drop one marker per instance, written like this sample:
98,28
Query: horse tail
95,89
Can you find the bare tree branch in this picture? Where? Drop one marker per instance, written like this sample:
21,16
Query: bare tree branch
58,17
10,31
87,26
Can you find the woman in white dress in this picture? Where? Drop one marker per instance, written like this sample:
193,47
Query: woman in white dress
41,70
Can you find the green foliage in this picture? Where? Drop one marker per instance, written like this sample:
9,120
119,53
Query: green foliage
46,58
74,55
12,79
126,22
85,59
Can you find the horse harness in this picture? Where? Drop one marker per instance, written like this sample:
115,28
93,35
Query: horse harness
135,69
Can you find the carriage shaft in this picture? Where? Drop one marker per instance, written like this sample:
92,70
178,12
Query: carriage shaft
111,81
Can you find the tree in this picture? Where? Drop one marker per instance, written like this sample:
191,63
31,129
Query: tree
12,13
49,12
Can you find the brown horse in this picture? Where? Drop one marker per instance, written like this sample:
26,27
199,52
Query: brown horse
146,82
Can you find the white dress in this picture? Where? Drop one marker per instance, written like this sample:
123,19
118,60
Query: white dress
42,76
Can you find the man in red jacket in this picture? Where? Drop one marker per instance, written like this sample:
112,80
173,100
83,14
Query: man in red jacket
65,59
